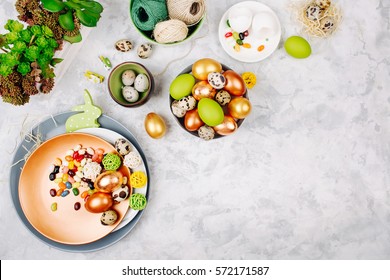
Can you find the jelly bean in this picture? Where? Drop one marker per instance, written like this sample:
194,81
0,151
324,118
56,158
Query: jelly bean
52,176
228,23
64,193
87,156
56,169
58,162
71,164
57,180
69,153
65,177
236,35
62,185
71,180
77,178
75,155
51,168
242,36
228,34
246,33
247,45
261,48
71,173
79,158
77,147
81,151
76,163
86,198
75,191
237,47
59,176
86,180
68,158
239,42
90,151
91,186
68,185
53,192
59,192
76,184
84,194
65,169
91,192
100,151
77,206
83,162
79,174
95,157
53,206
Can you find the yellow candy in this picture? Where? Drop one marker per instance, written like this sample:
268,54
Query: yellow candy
76,184
70,164
58,180
237,47
249,79
247,45
138,179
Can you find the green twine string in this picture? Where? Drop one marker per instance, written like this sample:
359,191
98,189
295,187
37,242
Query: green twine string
147,13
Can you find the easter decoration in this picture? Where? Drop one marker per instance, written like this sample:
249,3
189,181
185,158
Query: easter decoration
319,18
28,58
155,125
167,21
209,100
297,47
249,31
86,119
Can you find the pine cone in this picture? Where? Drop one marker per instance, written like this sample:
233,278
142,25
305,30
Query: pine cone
17,100
28,84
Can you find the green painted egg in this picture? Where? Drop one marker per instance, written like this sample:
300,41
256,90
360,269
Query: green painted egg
297,47
181,86
210,112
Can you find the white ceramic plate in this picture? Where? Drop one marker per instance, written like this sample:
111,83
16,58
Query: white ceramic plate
251,54
111,136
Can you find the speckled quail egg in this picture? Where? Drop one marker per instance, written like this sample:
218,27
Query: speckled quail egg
130,93
141,83
206,133
327,24
216,80
187,103
313,12
223,97
128,77
324,4
124,45
176,110
109,217
144,51
122,146
132,160
121,194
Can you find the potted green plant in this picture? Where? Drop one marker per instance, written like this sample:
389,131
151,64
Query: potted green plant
27,52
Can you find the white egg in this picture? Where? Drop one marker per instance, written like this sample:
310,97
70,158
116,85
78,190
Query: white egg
264,25
130,93
141,83
240,19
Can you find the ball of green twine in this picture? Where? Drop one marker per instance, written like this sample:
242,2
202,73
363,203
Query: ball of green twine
138,201
111,161
147,13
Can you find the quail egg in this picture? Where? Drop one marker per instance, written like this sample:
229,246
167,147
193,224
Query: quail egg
109,218
121,194
313,12
187,103
130,93
124,45
141,83
216,80
122,146
327,25
177,110
144,51
206,133
128,77
223,97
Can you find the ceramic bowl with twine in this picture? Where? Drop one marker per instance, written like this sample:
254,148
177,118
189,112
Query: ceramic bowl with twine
161,21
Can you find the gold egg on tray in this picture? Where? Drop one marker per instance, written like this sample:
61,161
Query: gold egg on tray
108,181
217,84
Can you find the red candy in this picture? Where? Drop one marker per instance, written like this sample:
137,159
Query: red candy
228,34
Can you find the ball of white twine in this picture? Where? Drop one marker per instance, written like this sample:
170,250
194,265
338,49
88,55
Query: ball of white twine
170,31
188,11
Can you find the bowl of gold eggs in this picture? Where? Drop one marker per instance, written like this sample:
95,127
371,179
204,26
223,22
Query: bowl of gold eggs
209,100
130,84
167,22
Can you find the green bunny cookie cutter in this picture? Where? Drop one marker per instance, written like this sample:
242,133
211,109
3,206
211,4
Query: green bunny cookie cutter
86,119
